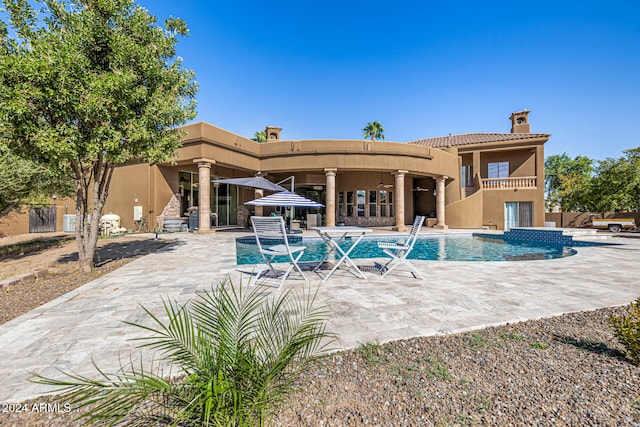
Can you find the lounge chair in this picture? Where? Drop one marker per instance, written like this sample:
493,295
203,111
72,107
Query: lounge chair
399,251
269,230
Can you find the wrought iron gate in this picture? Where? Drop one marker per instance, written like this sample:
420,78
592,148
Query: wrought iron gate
42,218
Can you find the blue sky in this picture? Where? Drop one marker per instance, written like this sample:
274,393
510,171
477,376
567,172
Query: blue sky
322,70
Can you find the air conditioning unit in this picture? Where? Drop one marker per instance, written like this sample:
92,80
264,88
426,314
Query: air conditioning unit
69,223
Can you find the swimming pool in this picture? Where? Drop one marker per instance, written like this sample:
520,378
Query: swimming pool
436,248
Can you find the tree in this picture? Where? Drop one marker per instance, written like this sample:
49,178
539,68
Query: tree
23,181
260,136
373,130
567,181
86,85
616,183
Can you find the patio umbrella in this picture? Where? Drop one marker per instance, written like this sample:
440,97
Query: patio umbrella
286,199
252,182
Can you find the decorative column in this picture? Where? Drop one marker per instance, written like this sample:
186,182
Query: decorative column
440,202
475,169
330,210
399,190
204,196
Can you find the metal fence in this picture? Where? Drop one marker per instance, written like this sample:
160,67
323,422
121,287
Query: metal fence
42,218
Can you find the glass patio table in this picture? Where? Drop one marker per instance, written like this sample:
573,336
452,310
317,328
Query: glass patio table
333,236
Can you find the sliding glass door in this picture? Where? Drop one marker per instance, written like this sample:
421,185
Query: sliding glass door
518,214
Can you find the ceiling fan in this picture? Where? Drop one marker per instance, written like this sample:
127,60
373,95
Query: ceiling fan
421,189
382,184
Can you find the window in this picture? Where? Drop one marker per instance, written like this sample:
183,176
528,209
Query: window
383,203
361,194
349,203
498,170
467,176
373,203
188,189
365,203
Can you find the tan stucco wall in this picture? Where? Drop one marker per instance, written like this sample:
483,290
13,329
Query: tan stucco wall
493,205
466,213
521,163
18,222
15,223
128,190
206,141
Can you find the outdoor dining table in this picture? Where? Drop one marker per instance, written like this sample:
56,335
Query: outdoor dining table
333,236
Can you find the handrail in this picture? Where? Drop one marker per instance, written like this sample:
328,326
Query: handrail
508,183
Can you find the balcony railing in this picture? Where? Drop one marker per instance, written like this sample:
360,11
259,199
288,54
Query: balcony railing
508,183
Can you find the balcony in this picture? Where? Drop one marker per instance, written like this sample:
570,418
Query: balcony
508,183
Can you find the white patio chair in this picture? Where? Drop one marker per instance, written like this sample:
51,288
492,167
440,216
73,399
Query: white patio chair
272,228
400,251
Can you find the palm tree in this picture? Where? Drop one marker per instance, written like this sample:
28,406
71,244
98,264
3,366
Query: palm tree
373,130
260,136
234,356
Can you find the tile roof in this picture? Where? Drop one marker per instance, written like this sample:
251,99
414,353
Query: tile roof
474,138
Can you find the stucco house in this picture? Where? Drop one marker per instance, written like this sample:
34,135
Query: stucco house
476,180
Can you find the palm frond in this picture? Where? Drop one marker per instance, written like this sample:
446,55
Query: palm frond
177,340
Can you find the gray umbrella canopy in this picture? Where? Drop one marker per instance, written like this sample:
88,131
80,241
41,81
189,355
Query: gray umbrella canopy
287,199
252,182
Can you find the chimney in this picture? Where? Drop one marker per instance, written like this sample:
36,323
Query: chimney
520,122
273,133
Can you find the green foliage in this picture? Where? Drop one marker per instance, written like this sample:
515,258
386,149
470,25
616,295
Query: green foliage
617,183
373,130
86,85
476,342
23,181
539,345
260,136
374,353
627,330
237,355
437,369
567,181
576,185
512,336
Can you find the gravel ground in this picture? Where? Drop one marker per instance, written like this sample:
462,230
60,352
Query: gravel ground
562,371
567,370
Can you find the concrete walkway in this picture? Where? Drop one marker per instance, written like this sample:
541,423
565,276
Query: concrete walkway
87,324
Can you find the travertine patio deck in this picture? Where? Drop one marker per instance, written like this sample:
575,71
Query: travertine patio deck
87,324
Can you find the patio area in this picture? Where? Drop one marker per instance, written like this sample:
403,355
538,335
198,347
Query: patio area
87,324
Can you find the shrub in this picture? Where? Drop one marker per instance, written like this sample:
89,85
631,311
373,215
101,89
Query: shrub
539,345
627,330
374,353
237,357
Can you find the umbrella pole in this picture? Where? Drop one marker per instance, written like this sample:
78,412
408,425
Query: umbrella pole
292,207
293,190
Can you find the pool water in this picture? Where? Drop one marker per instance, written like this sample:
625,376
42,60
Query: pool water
434,248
